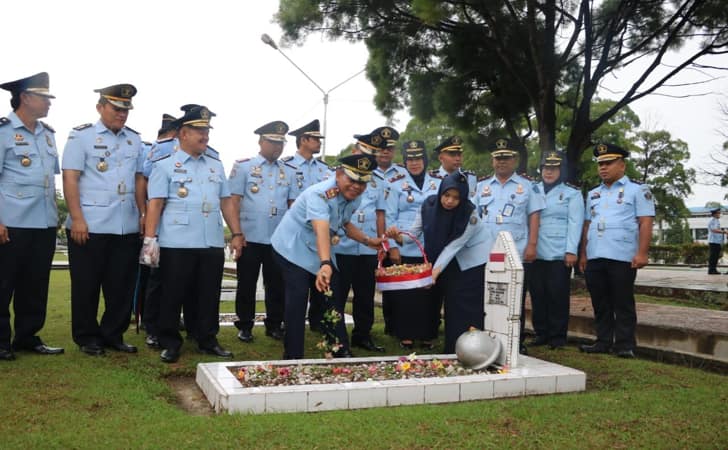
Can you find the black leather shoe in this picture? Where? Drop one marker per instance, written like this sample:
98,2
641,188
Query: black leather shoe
123,347
629,354
152,341
169,356
522,349
426,345
217,351
6,355
367,344
43,349
538,341
406,345
245,335
343,353
276,334
594,348
93,349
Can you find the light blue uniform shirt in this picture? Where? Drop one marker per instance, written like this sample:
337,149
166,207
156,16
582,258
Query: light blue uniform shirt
191,218
613,214
163,148
714,238
365,217
407,200
506,207
27,192
472,180
307,172
470,249
561,222
295,240
265,188
108,163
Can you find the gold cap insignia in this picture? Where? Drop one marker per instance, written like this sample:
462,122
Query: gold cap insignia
601,149
386,133
501,143
205,113
126,91
456,140
363,164
376,140
413,144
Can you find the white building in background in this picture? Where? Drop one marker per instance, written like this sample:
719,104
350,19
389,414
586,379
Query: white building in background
698,223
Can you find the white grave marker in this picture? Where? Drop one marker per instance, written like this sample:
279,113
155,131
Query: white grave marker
503,289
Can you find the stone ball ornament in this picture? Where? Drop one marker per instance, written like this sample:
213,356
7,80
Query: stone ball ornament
476,349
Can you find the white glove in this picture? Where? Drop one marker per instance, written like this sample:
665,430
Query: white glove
149,255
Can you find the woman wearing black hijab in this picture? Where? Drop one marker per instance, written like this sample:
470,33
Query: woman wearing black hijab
455,239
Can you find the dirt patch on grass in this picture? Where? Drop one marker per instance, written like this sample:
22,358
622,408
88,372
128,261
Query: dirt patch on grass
189,397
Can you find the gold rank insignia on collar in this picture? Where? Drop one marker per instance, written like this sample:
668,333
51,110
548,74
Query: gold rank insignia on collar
331,193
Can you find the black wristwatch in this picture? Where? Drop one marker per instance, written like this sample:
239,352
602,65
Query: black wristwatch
326,262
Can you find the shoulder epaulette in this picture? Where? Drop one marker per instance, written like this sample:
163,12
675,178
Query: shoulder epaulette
83,127
323,162
287,158
401,165
572,185
483,178
595,186
212,155
399,176
4,121
47,127
468,172
161,141
130,129
147,143
436,174
377,175
213,152
290,165
636,181
162,157
242,160
526,176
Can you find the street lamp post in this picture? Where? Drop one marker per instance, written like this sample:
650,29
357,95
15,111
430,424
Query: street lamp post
269,41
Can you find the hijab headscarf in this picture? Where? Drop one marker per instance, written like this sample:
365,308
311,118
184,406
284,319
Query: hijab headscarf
414,150
442,226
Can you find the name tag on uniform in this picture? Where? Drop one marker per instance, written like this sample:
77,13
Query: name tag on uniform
273,211
180,170
360,217
508,209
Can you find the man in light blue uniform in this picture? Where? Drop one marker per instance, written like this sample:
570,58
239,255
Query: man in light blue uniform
450,155
510,202
150,283
615,241
303,244
187,193
261,190
358,261
558,246
28,214
307,172
716,236
100,170
307,169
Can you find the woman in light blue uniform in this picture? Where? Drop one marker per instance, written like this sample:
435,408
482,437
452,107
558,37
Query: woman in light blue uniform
455,239
558,244
415,314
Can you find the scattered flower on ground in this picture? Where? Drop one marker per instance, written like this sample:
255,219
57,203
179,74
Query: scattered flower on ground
301,374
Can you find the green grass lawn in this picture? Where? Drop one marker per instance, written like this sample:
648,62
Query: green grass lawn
126,401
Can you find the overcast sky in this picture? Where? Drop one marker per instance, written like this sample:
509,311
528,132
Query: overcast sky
178,52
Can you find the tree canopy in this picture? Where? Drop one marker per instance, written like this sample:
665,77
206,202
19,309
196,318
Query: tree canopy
515,67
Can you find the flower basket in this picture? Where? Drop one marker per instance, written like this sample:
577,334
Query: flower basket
404,276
